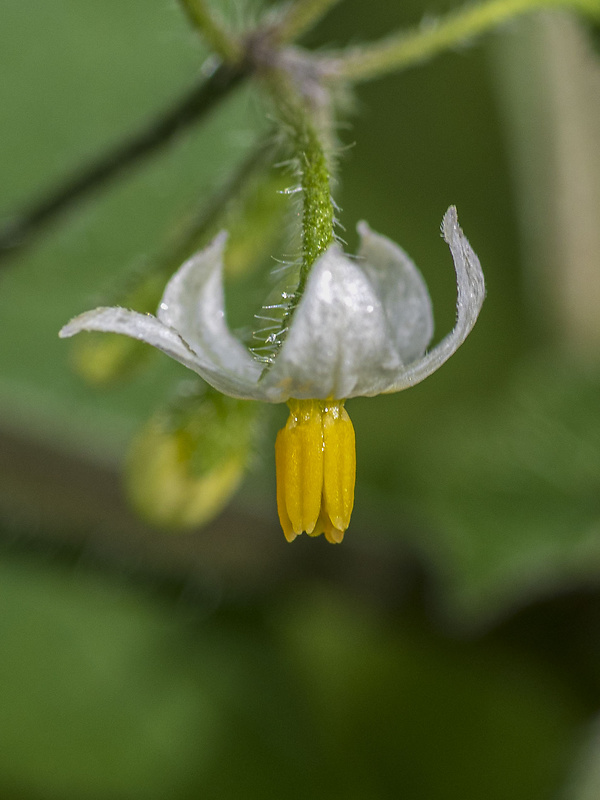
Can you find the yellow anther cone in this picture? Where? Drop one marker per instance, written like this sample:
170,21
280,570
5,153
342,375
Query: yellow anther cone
302,444
280,457
339,469
316,464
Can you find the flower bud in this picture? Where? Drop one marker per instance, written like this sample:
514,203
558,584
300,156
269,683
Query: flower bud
189,459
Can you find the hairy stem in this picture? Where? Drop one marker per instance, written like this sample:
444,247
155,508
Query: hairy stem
317,213
407,48
202,18
300,17
307,124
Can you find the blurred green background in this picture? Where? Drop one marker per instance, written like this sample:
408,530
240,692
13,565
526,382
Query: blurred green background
450,648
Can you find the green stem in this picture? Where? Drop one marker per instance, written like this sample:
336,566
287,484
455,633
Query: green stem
217,37
301,17
301,116
407,48
318,214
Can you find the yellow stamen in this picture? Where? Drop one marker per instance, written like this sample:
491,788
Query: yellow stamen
339,468
280,457
316,465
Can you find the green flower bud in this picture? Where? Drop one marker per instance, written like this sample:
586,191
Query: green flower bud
189,459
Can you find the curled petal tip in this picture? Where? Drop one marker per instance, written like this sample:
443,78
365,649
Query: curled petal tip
220,240
363,228
471,293
82,322
470,278
449,223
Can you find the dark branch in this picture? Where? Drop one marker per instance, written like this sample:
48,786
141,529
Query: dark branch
22,228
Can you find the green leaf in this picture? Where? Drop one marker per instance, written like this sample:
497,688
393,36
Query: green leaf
513,495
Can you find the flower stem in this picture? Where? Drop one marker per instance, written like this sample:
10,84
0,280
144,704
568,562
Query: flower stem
300,17
407,48
217,37
307,122
317,214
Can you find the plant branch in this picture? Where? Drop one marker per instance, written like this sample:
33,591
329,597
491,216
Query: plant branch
318,214
300,116
306,127
408,48
216,36
22,229
300,17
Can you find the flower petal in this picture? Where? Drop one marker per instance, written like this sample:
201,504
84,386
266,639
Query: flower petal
471,293
193,304
149,329
338,343
402,291
144,327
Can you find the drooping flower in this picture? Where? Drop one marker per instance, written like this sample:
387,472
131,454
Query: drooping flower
361,328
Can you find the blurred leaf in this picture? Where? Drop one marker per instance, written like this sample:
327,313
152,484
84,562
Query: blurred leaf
98,694
108,693
594,34
399,712
513,494
585,780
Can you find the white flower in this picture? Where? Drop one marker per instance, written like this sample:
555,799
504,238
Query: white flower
361,327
